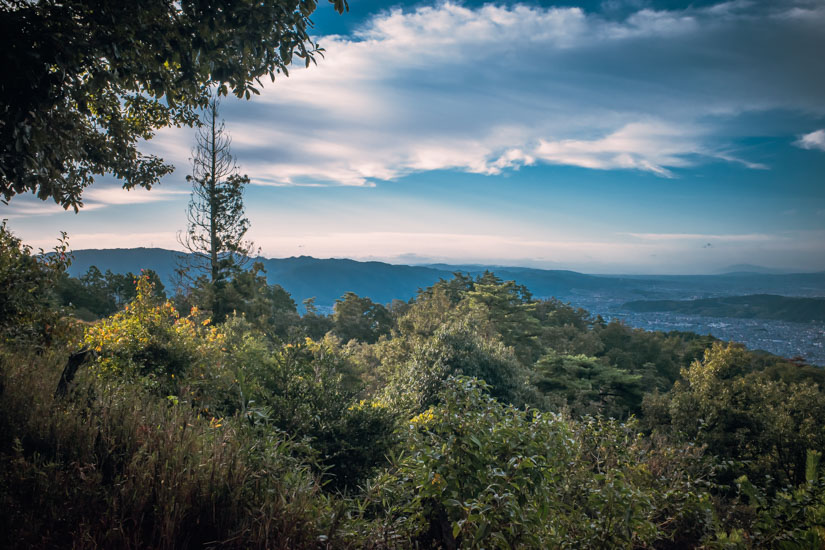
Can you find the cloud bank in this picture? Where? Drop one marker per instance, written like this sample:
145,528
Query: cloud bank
490,89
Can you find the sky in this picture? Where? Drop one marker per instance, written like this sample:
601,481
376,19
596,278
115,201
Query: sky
615,136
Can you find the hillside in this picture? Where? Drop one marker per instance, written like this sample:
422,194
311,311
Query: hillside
756,306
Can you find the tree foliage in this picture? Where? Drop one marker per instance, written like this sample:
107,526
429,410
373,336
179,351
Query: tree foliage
27,313
744,415
585,386
477,473
268,308
360,319
94,294
84,80
441,430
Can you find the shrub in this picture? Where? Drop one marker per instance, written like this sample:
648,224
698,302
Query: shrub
790,519
169,354
455,349
28,318
766,425
476,473
308,389
122,468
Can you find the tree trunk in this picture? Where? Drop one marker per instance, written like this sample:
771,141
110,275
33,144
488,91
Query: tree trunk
213,202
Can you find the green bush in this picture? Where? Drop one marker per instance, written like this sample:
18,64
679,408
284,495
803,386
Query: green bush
308,389
790,519
475,473
173,355
28,318
455,349
766,425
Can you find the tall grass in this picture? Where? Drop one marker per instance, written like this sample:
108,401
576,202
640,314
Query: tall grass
114,467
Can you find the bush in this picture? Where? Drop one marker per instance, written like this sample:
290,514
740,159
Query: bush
455,349
308,389
791,519
475,473
172,355
28,318
120,468
766,425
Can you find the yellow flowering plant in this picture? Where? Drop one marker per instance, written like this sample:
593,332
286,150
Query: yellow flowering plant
151,341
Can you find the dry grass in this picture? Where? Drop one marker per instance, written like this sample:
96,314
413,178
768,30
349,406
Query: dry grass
113,467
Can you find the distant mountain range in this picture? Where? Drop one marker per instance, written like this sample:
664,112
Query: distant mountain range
688,296
750,268
328,279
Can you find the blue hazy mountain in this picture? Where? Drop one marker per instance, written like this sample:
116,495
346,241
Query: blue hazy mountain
303,277
328,279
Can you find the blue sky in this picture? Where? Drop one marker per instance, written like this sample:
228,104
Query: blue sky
617,136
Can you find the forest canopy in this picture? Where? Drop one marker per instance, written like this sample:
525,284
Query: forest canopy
471,416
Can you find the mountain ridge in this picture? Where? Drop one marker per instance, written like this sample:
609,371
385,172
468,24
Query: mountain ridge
327,279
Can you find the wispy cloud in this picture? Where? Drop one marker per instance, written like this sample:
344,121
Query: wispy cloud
749,237
23,207
109,239
107,196
94,198
814,140
642,146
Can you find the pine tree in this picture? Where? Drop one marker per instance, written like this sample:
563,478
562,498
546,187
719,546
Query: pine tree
216,222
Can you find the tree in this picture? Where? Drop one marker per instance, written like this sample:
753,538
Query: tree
84,80
314,324
95,295
456,349
217,226
584,385
268,308
361,319
745,415
511,310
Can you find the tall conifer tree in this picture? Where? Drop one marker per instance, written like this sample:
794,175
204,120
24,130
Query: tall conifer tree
216,221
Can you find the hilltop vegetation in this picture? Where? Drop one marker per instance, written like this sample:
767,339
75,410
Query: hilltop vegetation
471,416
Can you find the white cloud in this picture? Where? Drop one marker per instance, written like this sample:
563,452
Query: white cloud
96,197
489,89
24,207
814,140
640,146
